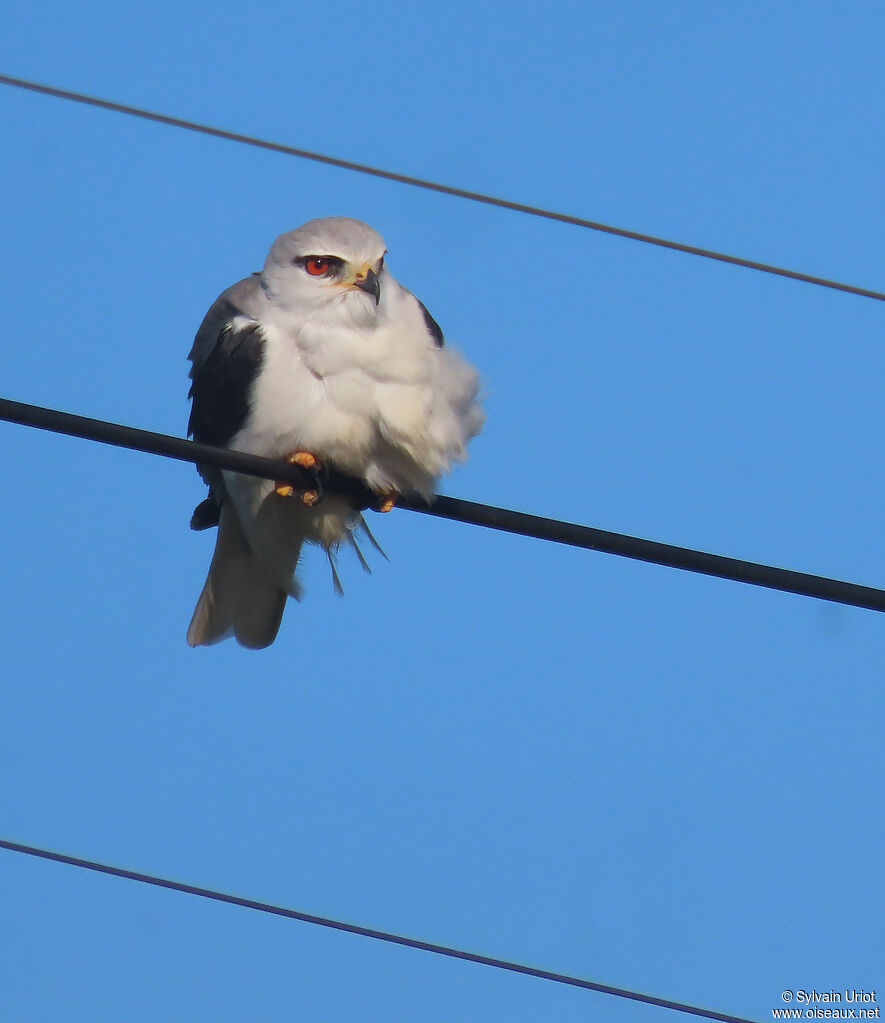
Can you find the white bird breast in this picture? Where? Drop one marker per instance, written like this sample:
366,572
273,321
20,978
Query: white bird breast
381,402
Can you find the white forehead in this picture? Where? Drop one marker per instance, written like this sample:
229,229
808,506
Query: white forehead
344,237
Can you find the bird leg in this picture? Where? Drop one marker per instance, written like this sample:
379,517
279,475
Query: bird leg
306,460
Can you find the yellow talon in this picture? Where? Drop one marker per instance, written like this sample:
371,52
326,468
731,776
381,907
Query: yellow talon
386,502
305,459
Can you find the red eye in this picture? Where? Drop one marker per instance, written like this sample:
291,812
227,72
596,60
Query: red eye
317,266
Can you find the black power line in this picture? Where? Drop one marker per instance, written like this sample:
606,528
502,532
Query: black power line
434,186
503,519
370,932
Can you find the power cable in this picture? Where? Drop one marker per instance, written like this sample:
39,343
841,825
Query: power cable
434,186
370,932
503,519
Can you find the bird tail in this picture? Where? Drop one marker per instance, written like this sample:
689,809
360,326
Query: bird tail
239,597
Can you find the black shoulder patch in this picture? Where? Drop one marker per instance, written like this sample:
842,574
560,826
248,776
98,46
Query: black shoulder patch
221,385
433,327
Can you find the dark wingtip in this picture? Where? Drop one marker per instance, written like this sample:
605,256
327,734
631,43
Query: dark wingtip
206,515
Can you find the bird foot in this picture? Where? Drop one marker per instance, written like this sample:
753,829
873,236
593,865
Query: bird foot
307,461
386,501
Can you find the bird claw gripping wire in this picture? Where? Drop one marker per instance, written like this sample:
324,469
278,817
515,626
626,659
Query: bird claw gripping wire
315,492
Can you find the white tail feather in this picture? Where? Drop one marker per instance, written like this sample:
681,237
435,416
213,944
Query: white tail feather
239,598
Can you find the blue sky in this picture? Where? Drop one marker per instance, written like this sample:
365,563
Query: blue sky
645,777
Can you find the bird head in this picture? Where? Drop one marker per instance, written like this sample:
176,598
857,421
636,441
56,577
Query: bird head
330,263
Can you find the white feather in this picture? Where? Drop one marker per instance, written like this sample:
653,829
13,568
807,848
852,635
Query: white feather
239,598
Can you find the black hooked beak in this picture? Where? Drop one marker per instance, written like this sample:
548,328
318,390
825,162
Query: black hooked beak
371,285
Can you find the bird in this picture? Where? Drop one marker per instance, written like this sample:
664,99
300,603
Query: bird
325,360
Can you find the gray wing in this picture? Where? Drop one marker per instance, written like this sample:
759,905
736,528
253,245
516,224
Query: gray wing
225,359
241,299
